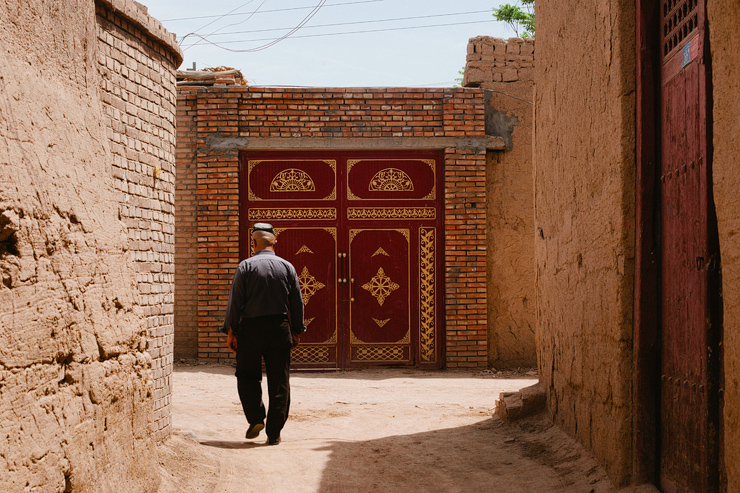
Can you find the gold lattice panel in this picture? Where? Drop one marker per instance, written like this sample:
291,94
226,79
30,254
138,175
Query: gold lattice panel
310,354
380,353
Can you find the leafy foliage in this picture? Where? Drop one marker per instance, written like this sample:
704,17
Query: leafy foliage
459,80
519,17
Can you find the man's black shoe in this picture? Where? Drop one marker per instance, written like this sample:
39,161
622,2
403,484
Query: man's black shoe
254,430
273,441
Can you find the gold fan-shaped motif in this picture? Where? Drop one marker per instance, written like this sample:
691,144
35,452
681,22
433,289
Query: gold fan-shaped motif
391,180
292,180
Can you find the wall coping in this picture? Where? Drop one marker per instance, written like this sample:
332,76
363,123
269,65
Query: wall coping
139,15
226,143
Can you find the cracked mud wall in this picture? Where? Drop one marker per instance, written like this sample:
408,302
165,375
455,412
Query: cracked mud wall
725,51
505,69
584,221
77,393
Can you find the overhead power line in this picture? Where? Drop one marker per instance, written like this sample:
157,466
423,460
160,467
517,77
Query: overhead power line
264,11
375,21
272,41
332,34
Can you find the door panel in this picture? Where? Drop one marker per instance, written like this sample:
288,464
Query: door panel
688,428
380,315
391,179
291,179
313,253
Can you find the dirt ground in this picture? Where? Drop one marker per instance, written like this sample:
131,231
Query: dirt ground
389,430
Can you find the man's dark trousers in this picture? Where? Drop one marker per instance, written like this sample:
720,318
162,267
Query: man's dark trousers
269,338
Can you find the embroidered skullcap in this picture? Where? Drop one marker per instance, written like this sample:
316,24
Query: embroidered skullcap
263,227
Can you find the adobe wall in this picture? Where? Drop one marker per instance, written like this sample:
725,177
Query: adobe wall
506,69
584,137
725,48
220,121
82,126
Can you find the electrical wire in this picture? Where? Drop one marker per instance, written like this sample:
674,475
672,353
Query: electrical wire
224,27
216,33
218,45
261,12
273,41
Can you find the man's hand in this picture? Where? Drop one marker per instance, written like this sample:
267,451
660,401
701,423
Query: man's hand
296,340
231,341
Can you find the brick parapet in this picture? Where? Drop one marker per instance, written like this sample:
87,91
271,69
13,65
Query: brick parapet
246,114
137,65
498,60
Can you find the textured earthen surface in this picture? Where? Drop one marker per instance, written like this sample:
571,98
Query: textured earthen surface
584,220
725,50
509,191
76,382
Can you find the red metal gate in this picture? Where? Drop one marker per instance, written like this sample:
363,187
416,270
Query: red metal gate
362,229
689,416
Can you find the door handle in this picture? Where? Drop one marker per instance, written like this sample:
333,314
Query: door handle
351,289
342,268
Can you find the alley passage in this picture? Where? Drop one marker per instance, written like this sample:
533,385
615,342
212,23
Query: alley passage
390,430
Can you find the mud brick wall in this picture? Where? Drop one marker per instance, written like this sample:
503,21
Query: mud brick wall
505,68
218,121
498,60
81,113
725,51
584,133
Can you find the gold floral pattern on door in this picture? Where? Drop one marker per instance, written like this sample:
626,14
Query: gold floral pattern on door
380,286
309,285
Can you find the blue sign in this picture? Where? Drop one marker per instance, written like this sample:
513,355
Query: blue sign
686,54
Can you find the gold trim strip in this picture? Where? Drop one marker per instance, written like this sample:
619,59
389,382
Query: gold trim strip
391,213
427,294
293,213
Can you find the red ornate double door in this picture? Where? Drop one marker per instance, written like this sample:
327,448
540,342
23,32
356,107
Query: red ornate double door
362,229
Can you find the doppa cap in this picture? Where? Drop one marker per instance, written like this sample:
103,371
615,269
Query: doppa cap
263,227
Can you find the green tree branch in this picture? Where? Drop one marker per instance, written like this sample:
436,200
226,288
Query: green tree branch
518,17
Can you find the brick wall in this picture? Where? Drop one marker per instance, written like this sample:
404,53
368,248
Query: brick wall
229,119
137,60
186,233
504,68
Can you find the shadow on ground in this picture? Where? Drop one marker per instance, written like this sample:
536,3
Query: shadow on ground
487,456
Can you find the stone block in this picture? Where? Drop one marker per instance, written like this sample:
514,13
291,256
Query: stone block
509,74
516,405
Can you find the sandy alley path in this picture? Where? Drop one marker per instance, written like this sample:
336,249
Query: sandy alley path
390,430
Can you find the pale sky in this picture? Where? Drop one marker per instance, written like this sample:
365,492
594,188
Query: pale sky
397,53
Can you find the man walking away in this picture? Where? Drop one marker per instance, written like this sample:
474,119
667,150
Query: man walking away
264,319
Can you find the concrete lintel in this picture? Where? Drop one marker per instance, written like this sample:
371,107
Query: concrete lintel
220,143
